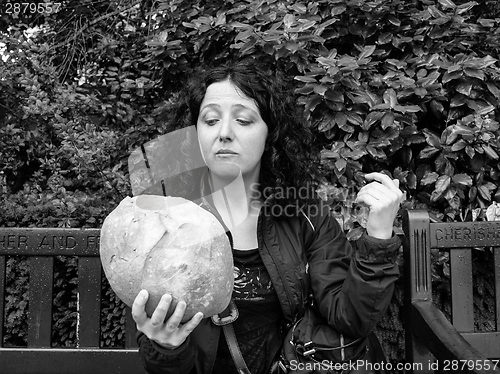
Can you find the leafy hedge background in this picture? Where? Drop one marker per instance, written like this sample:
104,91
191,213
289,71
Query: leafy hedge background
410,87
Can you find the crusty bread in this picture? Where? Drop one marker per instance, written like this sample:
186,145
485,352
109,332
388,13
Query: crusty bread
167,245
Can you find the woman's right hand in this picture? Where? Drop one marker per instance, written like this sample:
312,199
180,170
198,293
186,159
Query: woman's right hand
170,333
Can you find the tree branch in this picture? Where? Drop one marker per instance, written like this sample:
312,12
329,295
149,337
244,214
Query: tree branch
98,19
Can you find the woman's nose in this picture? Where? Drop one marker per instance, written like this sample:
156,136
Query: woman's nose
225,130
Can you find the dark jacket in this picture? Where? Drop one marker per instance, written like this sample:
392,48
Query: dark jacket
352,284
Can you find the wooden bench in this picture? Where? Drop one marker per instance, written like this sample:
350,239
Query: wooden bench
40,246
430,336
153,167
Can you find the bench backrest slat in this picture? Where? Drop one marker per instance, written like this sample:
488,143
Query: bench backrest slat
89,295
130,330
462,311
3,270
496,252
40,301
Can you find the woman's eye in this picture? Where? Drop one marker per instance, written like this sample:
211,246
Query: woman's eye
211,121
243,122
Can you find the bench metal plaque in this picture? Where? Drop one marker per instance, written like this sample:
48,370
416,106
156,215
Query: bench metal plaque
465,234
49,241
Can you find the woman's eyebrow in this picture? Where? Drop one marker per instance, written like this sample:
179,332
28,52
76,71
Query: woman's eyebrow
233,107
241,106
210,105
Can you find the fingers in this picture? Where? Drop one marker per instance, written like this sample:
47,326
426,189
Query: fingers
171,333
367,198
392,184
383,187
374,204
190,325
383,197
176,318
161,310
375,192
139,307
376,187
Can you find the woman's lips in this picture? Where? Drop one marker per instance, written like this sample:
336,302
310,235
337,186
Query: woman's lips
225,153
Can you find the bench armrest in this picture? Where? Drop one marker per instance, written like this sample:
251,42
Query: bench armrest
437,333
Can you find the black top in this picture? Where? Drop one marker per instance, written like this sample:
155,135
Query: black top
344,285
258,325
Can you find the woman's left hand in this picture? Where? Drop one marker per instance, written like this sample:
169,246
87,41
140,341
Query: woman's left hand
383,197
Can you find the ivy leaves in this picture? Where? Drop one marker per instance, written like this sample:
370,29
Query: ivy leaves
407,87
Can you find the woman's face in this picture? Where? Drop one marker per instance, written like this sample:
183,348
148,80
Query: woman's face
231,131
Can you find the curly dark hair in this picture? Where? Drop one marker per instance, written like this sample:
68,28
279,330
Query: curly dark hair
289,166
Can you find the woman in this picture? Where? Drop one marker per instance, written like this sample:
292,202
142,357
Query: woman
247,126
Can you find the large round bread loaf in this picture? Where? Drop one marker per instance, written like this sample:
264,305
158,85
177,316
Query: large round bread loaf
167,245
